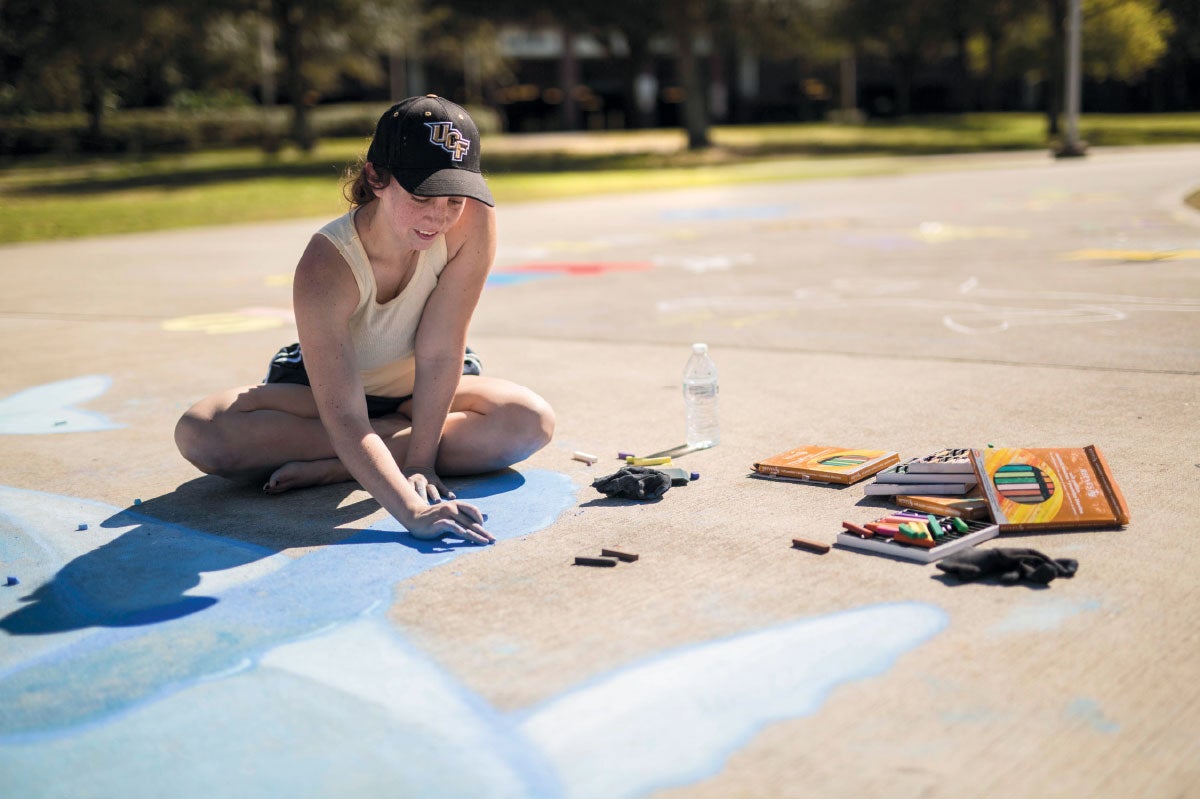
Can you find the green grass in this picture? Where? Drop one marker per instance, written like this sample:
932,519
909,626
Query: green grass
45,198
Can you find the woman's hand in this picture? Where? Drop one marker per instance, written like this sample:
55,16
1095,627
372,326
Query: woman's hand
450,518
427,484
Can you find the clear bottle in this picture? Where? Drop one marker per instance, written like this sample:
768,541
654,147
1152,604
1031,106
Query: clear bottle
700,399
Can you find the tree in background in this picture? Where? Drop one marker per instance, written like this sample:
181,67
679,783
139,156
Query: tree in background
907,33
1000,22
61,54
1122,39
1182,56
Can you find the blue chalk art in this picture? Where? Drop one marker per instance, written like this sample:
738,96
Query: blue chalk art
142,658
51,408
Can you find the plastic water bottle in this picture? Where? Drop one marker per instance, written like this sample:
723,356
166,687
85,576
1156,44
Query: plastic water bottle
700,398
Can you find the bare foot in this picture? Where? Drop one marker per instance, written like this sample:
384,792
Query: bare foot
302,474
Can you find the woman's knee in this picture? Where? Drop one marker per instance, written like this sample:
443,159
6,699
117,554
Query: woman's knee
529,422
202,439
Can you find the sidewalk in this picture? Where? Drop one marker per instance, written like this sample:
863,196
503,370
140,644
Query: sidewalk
209,639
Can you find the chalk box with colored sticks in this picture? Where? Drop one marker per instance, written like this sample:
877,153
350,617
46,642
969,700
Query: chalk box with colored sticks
915,541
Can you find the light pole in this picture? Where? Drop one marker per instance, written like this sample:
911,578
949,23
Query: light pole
1071,146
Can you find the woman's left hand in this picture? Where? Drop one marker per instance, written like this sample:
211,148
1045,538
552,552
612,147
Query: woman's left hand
427,484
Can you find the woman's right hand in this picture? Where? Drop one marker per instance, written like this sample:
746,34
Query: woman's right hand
450,518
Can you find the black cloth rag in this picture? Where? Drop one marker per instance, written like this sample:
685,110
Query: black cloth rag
634,482
1008,565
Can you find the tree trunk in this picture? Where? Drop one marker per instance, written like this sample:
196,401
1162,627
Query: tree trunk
93,103
991,82
568,77
1056,65
962,74
289,20
906,67
694,113
640,83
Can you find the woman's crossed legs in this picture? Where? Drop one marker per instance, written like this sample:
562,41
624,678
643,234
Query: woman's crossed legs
271,433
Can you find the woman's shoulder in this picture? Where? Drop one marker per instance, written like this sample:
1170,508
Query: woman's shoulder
476,227
341,229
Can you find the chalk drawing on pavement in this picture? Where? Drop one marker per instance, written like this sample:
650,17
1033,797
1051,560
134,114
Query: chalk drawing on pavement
968,308
525,273
243,320
700,264
51,408
1133,256
284,669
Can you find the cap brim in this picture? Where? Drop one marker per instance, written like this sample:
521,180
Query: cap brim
445,183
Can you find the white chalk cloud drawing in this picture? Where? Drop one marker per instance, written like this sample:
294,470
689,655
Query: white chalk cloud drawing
142,658
699,264
968,308
51,408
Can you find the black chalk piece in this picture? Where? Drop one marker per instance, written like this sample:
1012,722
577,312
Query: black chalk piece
582,561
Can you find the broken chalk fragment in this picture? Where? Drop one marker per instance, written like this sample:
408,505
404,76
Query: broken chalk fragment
624,455
582,561
81,526
586,458
137,502
628,557
11,580
811,546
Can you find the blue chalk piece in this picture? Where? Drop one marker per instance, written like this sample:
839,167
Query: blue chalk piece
137,502
81,527
11,580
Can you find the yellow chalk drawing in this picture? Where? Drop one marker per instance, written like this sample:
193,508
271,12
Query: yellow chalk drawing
1132,255
278,280
243,320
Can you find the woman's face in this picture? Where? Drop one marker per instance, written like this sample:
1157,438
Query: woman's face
417,220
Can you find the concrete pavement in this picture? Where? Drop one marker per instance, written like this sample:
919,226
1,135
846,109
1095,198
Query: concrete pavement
241,643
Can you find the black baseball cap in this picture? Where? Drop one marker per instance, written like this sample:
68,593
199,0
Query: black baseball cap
431,146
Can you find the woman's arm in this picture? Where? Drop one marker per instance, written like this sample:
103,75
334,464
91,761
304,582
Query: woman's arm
324,297
442,334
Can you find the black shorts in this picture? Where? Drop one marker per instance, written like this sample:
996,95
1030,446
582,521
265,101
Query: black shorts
288,367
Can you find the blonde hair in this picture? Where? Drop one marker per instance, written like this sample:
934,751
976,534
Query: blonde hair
357,185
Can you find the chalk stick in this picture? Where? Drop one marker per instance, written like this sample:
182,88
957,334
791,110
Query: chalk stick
81,527
882,529
628,557
632,461
582,561
917,539
811,546
11,580
860,531
959,524
586,458
934,527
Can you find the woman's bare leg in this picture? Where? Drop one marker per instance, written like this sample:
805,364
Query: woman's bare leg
272,433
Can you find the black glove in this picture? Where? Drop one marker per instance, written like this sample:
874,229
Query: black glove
634,482
1007,565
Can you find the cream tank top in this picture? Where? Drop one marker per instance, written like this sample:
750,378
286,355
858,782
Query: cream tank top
384,334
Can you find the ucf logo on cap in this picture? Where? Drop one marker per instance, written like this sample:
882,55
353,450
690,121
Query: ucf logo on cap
449,138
